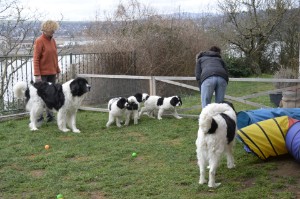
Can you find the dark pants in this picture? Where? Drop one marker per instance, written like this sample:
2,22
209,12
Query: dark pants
49,78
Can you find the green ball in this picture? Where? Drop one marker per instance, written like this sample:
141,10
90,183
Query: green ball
60,196
134,154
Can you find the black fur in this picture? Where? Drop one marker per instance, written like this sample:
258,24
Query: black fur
175,101
213,127
27,95
139,97
121,103
230,104
230,127
52,94
79,86
160,101
132,106
147,97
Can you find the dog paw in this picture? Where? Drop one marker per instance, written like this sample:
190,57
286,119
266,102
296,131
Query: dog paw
179,117
76,131
34,129
214,185
159,118
230,166
65,130
203,181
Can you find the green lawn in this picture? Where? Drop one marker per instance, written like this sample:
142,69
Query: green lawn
97,163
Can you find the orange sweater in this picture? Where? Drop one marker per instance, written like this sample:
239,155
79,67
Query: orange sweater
45,60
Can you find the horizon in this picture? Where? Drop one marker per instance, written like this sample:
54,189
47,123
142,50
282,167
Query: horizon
74,10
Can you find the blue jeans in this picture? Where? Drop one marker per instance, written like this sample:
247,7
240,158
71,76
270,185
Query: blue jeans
209,86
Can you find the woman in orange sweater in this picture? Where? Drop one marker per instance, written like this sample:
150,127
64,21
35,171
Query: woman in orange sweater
45,58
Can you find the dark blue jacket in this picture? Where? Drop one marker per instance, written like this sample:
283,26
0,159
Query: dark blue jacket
209,64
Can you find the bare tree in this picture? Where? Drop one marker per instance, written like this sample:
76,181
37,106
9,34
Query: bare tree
165,45
249,24
16,26
288,39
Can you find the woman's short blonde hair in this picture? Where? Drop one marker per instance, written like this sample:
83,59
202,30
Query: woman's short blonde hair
49,26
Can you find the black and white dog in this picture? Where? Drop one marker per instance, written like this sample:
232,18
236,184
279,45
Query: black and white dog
134,106
116,108
132,110
160,104
217,129
63,98
141,97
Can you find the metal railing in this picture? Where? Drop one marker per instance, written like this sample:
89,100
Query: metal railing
20,68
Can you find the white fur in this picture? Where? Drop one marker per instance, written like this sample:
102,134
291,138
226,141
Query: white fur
145,96
115,113
19,90
132,113
211,146
151,107
66,115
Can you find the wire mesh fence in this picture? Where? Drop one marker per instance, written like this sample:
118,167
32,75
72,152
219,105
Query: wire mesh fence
20,68
248,93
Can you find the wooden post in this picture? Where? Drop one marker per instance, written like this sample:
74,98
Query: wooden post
152,86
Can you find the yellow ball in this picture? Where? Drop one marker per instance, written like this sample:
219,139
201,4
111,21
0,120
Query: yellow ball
47,147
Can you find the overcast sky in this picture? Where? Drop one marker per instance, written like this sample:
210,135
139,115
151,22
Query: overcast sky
80,10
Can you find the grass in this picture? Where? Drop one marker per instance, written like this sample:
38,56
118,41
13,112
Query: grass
97,163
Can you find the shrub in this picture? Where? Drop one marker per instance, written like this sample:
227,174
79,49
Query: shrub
237,67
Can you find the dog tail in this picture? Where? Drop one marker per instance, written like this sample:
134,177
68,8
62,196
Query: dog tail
206,119
207,123
19,90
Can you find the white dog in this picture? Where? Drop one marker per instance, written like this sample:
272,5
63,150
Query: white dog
65,99
116,108
217,129
160,104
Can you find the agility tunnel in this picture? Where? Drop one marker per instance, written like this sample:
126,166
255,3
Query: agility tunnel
246,118
267,138
292,141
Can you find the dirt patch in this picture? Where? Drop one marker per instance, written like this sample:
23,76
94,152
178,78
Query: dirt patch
93,195
137,135
37,173
287,167
66,138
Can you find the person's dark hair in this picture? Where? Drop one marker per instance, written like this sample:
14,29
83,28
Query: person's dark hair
215,49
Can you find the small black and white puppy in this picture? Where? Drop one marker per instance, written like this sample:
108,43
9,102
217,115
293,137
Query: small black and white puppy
134,106
141,97
116,108
63,98
132,110
160,104
216,133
